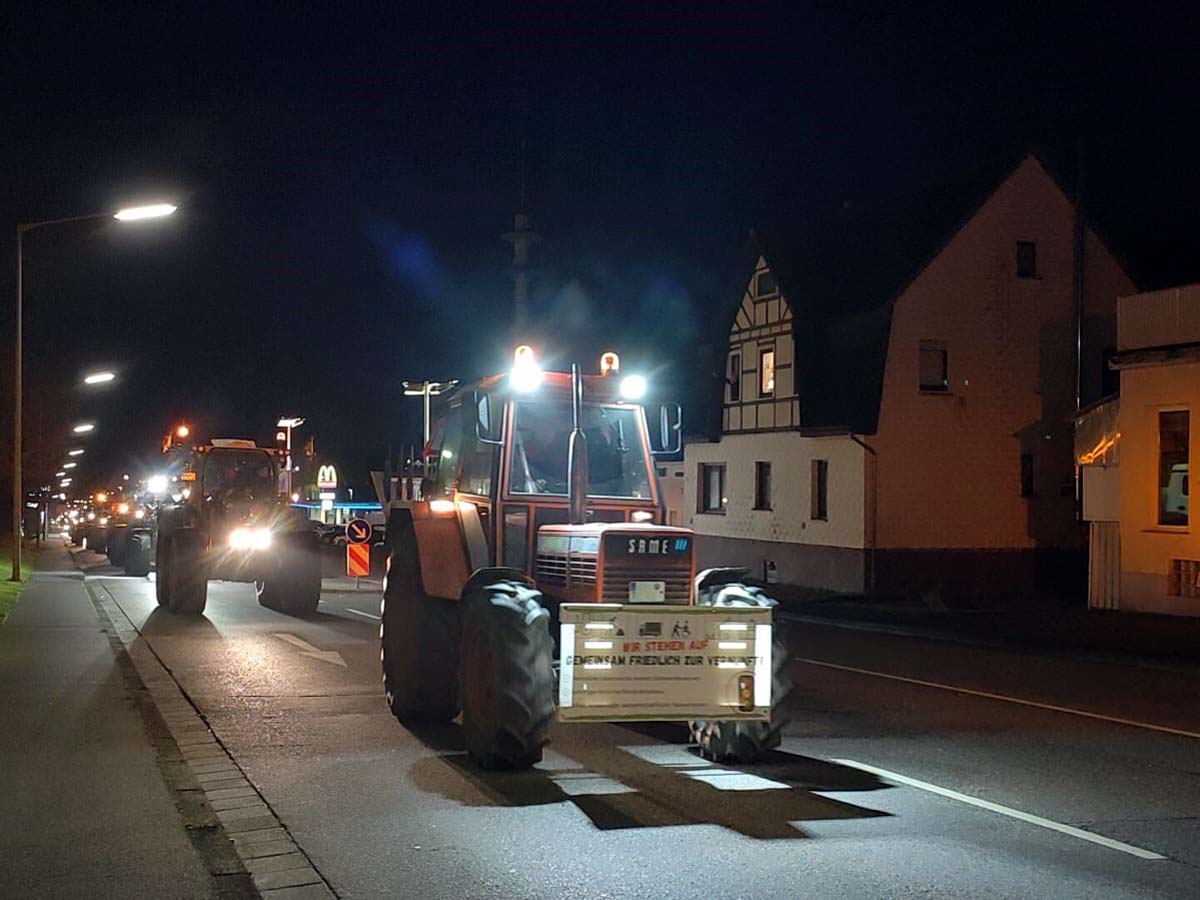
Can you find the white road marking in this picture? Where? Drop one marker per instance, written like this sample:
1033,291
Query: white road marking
679,758
329,656
1164,729
365,615
1002,810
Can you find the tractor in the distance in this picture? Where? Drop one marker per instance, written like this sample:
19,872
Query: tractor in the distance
228,521
536,569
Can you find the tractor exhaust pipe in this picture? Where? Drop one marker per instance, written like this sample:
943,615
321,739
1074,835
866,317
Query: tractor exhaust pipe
577,458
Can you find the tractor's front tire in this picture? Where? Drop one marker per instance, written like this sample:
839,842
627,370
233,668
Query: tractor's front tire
507,675
186,574
418,637
742,742
295,587
137,555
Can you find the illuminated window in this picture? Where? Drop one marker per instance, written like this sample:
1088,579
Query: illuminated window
735,378
711,495
1173,486
762,485
1026,259
820,490
766,372
765,284
934,369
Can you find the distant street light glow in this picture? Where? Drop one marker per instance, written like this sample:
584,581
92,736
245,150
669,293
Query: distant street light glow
69,465
60,474
77,452
99,377
83,428
153,211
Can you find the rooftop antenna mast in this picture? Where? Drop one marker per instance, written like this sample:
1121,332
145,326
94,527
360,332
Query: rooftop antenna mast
522,237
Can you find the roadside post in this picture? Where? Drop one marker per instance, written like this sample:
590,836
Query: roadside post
358,549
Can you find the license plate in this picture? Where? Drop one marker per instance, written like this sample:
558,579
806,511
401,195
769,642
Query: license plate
647,592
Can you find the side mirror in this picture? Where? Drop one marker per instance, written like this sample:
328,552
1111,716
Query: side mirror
670,430
483,420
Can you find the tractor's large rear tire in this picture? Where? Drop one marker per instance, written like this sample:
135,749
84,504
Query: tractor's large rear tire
137,554
187,577
746,742
295,587
118,546
419,645
507,675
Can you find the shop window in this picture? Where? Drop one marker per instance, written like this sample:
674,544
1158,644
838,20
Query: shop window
819,494
735,378
1026,259
1173,481
762,485
711,493
935,367
766,372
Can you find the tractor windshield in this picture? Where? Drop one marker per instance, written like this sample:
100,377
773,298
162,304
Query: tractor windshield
247,472
617,464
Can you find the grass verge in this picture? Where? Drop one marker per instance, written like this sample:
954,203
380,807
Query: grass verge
11,590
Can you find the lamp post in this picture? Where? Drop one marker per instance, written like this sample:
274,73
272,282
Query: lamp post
131,214
288,423
427,389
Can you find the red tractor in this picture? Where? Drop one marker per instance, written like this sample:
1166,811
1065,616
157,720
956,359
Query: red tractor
536,569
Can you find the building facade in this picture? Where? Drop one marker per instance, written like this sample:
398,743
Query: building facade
1135,457
897,410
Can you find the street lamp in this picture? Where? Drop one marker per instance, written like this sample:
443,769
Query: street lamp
288,423
427,389
129,214
99,377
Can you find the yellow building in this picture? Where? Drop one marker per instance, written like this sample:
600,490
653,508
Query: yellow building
1136,455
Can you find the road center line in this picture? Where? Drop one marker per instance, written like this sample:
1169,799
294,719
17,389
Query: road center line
1164,729
1003,810
365,615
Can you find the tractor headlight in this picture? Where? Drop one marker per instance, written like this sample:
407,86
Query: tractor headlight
526,375
157,484
633,387
249,539
123,509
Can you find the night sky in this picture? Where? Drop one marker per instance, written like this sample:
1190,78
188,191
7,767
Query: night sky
343,181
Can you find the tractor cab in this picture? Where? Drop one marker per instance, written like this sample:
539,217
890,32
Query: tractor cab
559,487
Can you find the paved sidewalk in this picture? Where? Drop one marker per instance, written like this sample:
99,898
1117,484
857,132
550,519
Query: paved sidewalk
84,809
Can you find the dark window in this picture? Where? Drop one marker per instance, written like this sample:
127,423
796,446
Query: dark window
1026,259
1110,378
766,372
935,374
1173,467
516,530
711,493
762,485
1026,474
765,284
820,489
735,378
477,462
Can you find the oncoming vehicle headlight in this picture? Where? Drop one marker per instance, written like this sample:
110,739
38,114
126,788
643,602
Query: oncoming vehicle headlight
249,539
123,509
140,514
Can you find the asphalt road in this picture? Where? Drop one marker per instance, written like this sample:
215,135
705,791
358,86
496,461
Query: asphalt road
910,768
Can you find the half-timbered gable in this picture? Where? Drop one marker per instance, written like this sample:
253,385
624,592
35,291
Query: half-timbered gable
760,387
